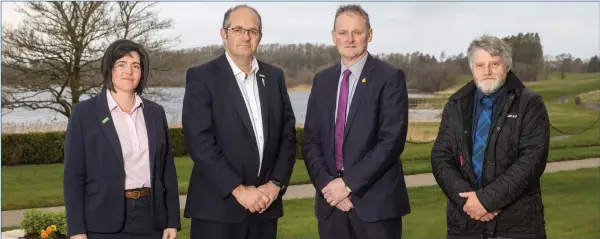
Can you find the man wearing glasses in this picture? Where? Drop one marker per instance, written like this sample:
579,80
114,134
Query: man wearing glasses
239,128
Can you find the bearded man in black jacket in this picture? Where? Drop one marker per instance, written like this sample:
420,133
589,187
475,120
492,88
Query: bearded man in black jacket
492,149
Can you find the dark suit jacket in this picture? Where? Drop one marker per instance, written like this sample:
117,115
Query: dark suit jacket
374,139
221,141
94,176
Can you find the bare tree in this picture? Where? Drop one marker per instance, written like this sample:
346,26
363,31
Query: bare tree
57,48
564,61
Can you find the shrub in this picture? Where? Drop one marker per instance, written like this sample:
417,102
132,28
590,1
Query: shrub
48,147
36,221
32,148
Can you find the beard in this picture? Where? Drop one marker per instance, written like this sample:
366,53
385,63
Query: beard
490,85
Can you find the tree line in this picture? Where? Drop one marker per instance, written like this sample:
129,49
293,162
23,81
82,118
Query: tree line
300,62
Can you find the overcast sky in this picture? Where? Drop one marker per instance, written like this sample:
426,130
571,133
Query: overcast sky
398,26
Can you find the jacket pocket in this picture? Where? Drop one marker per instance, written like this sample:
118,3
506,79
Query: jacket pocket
454,218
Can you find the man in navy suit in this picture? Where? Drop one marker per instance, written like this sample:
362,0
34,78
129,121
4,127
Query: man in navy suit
354,133
240,131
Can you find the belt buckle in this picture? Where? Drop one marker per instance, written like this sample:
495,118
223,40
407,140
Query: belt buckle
138,194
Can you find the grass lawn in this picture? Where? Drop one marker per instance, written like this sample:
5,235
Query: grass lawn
570,200
573,84
592,96
32,186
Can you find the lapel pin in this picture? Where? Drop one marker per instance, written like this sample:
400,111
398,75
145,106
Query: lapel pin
262,78
364,80
105,120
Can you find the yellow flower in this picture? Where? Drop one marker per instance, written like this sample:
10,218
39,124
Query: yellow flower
44,234
53,227
49,230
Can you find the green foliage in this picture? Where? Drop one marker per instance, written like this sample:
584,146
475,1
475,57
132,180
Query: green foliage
527,55
35,221
32,148
48,147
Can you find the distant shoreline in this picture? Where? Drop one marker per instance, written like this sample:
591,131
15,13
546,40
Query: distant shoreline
308,87
300,88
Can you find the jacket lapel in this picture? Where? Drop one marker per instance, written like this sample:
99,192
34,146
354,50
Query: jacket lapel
235,94
331,87
361,87
104,118
263,92
151,126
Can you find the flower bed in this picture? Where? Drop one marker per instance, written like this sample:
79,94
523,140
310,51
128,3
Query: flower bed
37,224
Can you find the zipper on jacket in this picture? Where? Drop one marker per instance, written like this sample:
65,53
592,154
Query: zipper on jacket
463,142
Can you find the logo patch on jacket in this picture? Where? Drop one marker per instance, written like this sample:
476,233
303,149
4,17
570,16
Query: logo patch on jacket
513,116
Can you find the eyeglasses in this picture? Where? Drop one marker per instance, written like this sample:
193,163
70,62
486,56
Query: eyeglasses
238,31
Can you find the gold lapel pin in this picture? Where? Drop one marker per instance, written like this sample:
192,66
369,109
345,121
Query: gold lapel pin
364,80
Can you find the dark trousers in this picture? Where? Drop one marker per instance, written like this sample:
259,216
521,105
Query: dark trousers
253,227
138,223
348,225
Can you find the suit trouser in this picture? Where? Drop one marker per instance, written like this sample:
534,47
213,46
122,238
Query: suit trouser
138,223
253,227
342,225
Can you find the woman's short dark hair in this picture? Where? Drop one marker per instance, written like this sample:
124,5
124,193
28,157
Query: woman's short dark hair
116,51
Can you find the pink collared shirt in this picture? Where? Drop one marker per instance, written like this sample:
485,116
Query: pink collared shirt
131,129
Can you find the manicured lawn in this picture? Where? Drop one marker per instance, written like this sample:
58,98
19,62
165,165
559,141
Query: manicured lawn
593,96
570,200
32,186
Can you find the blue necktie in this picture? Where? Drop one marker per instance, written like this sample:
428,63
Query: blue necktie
481,135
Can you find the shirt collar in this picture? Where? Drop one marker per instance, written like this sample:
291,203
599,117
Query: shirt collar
112,104
357,67
237,70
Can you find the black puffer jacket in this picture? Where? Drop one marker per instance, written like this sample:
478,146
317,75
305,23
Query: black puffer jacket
515,159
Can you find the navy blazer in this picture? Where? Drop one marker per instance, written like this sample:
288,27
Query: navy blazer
94,176
374,138
220,138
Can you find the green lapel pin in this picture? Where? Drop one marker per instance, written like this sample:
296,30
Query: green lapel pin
105,120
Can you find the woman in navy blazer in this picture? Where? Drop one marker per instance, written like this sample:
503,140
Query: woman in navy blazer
119,176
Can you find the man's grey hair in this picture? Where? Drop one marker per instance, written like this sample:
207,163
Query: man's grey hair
230,10
352,8
492,45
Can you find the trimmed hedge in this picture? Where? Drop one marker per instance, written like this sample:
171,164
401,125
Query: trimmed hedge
48,147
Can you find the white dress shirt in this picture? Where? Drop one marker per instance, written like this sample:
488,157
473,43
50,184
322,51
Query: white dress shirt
249,89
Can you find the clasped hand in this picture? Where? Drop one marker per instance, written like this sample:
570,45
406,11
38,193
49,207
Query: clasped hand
337,196
474,208
256,199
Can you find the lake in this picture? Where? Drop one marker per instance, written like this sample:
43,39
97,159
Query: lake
173,105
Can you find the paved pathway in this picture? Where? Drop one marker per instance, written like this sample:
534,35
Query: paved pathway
13,218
